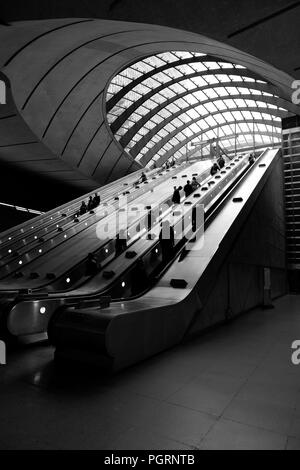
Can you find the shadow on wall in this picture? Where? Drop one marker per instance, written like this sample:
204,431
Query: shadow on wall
10,217
22,188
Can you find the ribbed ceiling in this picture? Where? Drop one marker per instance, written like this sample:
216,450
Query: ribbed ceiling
158,105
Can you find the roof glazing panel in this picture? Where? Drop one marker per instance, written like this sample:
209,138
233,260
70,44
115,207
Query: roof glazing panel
173,97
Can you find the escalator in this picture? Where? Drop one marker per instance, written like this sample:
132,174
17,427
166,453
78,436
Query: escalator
15,290
120,332
21,270
30,314
10,237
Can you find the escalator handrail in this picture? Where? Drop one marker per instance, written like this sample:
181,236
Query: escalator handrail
212,213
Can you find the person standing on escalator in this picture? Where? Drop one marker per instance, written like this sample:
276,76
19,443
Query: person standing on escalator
143,178
221,162
90,204
195,184
188,189
96,200
214,169
251,158
83,208
176,195
167,241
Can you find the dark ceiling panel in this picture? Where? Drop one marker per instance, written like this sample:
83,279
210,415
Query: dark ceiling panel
215,18
265,19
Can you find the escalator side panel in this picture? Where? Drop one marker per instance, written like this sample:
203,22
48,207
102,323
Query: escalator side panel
139,328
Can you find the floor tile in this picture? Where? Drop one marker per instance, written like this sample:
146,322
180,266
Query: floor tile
210,393
229,435
262,414
142,439
233,388
181,424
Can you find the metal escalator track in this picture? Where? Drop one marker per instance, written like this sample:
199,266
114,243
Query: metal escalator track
130,330
8,298
23,270
26,315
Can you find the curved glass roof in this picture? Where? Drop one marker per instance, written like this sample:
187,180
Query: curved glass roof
157,106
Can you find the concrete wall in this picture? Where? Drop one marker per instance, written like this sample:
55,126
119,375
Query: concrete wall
9,217
276,40
239,284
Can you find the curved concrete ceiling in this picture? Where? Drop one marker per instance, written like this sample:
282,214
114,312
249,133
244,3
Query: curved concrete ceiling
59,71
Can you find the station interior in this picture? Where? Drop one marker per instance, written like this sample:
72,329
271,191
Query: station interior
150,225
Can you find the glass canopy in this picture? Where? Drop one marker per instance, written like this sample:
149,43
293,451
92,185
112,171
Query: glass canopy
160,104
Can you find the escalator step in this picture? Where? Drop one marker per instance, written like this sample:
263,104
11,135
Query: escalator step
50,276
178,283
18,274
130,254
237,199
151,236
108,274
34,275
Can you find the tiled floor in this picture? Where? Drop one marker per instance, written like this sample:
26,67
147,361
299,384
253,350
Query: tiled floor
234,388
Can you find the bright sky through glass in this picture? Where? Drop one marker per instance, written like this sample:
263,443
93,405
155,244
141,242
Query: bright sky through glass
158,105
